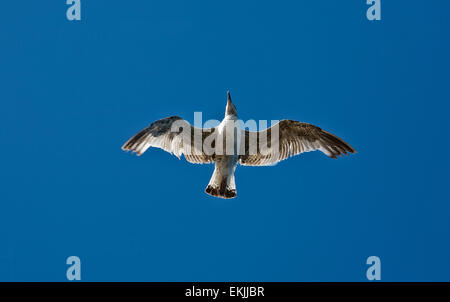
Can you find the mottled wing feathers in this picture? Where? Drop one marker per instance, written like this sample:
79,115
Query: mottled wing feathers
169,134
293,138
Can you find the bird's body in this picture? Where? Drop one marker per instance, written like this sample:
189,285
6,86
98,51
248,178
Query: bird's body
227,145
222,182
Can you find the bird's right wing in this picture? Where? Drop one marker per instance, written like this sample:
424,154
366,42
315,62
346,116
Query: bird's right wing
288,138
174,135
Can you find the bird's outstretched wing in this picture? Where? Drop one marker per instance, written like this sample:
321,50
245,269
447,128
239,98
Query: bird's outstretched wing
293,138
174,135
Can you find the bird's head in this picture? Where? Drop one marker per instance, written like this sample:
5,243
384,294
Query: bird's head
230,109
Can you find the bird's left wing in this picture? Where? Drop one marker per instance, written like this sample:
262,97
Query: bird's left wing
288,138
174,135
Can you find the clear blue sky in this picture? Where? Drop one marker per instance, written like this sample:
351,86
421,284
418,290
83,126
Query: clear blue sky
71,93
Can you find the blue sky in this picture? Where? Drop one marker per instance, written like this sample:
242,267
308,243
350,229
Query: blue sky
73,92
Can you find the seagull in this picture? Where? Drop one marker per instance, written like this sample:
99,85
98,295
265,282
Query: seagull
248,148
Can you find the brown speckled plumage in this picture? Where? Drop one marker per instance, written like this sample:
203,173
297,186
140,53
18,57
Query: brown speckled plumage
294,138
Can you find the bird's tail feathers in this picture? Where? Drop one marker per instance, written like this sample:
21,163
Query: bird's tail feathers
221,186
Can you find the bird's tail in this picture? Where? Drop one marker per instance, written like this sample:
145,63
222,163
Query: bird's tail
222,186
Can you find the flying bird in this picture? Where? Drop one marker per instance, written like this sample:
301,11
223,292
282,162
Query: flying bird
248,148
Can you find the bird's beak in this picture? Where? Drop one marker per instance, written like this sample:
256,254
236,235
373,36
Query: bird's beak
229,98
230,109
